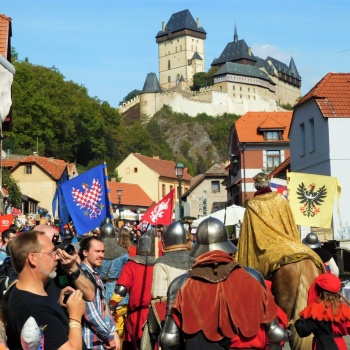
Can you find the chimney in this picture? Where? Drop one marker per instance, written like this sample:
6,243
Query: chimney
155,157
163,27
198,23
249,51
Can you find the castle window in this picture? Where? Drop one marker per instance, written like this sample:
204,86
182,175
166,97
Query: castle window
175,48
169,65
169,80
220,88
248,89
163,190
233,88
240,89
180,47
240,95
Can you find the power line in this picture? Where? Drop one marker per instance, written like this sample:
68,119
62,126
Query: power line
344,50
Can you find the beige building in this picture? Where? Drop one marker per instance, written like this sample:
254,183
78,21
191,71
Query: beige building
37,177
206,194
180,49
155,176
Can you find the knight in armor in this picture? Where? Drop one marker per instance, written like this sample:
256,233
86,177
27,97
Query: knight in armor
312,241
269,232
175,261
136,279
115,257
218,304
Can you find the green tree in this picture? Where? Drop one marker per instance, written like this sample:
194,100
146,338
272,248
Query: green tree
130,96
13,189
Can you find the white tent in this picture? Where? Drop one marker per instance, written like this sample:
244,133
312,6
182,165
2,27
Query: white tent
125,214
234,215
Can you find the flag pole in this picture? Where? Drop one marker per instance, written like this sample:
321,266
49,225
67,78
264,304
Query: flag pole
108,190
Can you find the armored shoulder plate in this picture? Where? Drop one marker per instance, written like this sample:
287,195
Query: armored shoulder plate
256,274
170,337
120,290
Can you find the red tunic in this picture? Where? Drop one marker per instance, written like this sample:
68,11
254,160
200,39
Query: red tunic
137,278
235,307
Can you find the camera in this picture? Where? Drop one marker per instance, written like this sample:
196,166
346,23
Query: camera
66,296
69,248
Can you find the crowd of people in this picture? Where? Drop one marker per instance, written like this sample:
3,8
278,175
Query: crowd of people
142,287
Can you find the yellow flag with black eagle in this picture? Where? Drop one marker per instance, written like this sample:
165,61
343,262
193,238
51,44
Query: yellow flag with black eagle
311,198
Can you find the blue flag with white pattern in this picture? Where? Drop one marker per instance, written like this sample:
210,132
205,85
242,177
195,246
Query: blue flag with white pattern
86,198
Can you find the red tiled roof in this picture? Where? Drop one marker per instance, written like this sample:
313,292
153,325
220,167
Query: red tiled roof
5,34
9,163
162,167
54,167
282,168
132,194
247,126
332,95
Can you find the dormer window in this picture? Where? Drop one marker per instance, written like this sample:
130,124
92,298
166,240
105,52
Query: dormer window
273,135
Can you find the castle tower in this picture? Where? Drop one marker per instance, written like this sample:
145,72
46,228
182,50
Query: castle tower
180,49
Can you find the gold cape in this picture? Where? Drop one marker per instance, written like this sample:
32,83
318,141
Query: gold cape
269,237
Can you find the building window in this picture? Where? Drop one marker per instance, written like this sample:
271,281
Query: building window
302,139
220,88
233,88
169,65
271,135
169,80
180,47
28,169
163,190
135,170
312,135
240,88
273,159
128,170
215,186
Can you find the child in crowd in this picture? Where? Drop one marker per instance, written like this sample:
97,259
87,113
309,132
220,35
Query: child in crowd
326,316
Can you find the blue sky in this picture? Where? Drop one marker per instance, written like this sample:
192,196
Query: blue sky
109,45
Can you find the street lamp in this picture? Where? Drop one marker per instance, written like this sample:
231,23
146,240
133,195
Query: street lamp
179,171
119,193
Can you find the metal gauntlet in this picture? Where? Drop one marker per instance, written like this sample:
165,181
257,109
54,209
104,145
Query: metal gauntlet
275,334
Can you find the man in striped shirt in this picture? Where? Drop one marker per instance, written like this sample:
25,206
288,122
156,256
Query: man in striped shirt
99,330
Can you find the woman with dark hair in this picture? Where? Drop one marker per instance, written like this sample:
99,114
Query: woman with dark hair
125,242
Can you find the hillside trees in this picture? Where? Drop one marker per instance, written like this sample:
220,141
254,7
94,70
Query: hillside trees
58,118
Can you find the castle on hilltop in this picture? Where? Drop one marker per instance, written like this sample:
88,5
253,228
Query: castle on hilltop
243,82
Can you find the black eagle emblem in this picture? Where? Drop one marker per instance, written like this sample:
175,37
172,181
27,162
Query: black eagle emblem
311,198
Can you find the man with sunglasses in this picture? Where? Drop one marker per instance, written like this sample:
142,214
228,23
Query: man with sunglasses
6,237
35,260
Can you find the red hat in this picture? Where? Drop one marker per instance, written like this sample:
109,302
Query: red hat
326,281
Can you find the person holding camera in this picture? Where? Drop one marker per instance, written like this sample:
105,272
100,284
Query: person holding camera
99,329
69,272
35,259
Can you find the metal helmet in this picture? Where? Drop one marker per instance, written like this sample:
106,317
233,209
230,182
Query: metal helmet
107,230
211,235
174,234
311,240
145,243
106,220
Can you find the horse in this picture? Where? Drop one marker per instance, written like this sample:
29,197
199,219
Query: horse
290,285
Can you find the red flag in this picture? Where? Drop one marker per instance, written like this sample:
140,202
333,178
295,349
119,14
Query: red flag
162,212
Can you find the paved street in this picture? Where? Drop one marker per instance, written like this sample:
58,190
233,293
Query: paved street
347,340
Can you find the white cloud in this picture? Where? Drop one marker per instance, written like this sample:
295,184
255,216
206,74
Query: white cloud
264,50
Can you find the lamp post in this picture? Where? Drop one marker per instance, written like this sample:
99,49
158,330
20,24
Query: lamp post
119,193
179,171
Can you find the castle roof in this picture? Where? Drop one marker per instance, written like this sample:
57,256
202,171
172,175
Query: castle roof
243,69
151,84
283,68
180,21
